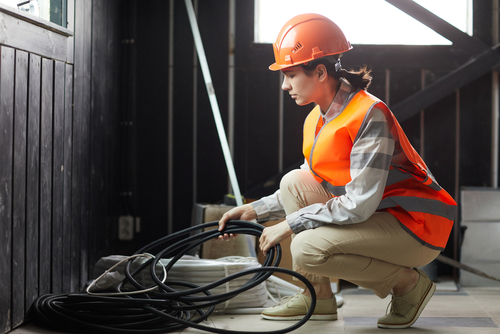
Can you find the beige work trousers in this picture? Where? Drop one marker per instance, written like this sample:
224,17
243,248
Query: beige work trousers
371,254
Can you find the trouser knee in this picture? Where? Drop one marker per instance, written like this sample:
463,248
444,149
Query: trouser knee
290,180
304,253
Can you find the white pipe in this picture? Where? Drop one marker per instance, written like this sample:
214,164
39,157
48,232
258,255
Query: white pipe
230,79
281,125
213,101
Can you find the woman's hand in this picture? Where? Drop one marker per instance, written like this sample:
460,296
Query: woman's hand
243,212
273,235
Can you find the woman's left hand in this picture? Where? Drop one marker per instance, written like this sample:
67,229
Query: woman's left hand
273,235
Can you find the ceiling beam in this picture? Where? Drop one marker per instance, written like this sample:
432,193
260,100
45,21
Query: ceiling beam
459,38
483,59
446,85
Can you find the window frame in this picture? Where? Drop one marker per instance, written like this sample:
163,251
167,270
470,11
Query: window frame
29,33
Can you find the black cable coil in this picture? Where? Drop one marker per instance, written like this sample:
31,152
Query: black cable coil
164,309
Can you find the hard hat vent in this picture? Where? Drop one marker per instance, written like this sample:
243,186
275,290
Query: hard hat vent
297,47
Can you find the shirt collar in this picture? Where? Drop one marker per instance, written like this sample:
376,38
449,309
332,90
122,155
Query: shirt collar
340,101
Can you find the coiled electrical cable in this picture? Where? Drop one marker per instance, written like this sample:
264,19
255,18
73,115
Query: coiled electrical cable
165,308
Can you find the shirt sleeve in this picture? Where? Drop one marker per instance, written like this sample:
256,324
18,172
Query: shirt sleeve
371,157
271,207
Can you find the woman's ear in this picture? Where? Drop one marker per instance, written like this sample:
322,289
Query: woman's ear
321,72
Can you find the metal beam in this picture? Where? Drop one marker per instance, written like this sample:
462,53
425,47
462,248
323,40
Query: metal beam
467,43
446,85
485,59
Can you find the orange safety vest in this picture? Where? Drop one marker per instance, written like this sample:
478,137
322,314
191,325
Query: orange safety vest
411,194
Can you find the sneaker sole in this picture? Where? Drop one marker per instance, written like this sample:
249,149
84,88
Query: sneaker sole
320,317
428,296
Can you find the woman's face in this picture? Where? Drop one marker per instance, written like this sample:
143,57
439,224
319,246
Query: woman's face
301,87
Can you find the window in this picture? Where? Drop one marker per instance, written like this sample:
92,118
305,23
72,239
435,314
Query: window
50,10
365,21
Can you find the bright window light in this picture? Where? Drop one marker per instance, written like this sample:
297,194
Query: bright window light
365,21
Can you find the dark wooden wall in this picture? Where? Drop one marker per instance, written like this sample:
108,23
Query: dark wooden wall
59,154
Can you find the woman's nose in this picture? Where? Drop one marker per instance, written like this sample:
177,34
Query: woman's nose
285,85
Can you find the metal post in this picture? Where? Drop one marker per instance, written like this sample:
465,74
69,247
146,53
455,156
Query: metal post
170,158
230,79
195,120
494,103
213,101
422,117
281,109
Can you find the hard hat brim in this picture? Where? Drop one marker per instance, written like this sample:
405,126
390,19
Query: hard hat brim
275,67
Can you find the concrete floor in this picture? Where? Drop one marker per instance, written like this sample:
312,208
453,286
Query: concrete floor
466,310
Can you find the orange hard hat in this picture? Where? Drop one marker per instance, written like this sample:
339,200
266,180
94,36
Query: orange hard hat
307,37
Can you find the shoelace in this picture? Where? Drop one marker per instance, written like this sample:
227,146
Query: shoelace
286,299
392,304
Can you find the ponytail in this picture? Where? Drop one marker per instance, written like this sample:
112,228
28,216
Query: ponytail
359,79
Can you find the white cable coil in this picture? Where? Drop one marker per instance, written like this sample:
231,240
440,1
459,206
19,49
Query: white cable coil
193,270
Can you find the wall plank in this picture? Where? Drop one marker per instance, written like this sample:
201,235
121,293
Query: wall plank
77,151
85,39
32,179
7,64
97,114
57,177
46,140
19,188
67,207
80,193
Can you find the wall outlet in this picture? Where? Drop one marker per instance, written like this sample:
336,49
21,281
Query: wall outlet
126,227
137,224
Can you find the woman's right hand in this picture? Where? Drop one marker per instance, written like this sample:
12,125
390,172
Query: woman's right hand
243,212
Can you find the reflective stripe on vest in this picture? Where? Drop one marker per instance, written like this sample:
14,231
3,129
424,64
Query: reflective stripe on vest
411,193
397,175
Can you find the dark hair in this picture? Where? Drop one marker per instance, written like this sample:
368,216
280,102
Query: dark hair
359,79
